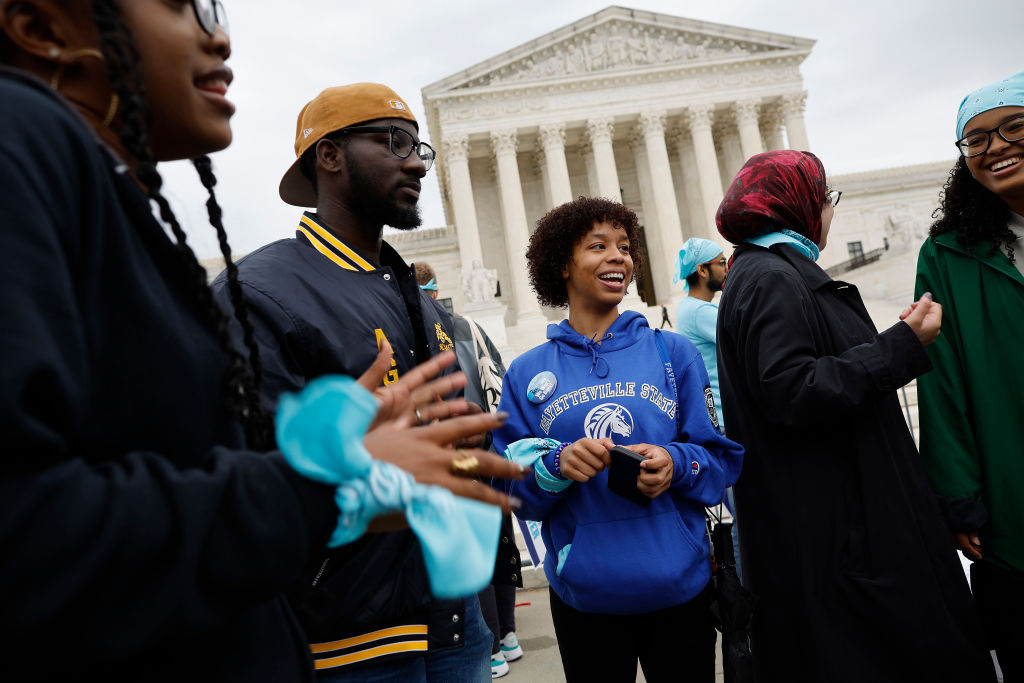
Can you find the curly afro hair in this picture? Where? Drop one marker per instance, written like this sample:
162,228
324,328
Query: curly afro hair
557,234
973,212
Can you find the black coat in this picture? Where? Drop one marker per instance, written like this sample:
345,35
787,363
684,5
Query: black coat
140,542
841,537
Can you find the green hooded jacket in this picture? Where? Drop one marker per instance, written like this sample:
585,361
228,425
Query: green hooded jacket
972,403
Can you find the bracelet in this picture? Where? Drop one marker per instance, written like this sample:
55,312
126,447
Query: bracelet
558,452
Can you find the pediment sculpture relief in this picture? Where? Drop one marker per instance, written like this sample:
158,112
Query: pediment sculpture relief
616,46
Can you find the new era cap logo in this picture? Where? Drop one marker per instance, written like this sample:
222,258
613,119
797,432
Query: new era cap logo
307,132
396,104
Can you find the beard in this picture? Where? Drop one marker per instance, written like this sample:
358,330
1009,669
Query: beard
385,210
715,285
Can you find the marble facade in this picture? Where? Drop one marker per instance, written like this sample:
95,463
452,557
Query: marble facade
652,110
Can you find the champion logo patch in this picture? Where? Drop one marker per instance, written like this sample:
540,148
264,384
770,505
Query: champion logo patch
695,468
709,400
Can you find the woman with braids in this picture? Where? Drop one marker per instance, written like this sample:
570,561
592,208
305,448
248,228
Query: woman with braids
144,536
842,540
629,576
972,403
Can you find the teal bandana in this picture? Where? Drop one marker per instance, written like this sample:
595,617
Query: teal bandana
793,239
1008,92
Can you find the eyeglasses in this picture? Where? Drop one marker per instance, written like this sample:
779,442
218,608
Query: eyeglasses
978,142
833,197
210,14
401,141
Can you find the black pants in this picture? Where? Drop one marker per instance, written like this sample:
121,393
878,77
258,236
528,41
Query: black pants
1000,598
498,603
675,644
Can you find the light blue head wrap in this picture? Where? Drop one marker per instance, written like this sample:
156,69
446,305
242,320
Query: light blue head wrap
695,252
431,286
1008,92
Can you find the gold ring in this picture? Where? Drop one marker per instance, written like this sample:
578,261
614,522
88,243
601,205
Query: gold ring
464,463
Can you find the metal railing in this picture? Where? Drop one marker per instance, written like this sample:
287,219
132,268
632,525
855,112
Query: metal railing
856,262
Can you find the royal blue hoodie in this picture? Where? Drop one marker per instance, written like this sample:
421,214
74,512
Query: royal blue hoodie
607,554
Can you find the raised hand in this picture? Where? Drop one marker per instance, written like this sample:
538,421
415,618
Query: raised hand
425,453
415,398
925,318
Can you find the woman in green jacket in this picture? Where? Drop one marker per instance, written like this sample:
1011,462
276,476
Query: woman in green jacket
972,403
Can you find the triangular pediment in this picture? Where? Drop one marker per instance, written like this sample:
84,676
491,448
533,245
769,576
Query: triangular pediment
619,39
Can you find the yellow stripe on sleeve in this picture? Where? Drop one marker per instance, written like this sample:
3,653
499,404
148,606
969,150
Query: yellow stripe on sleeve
412,630
363,655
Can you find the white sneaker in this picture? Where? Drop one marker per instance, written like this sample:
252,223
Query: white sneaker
510,647
499,667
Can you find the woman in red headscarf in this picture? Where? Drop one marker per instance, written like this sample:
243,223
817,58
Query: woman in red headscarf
843,540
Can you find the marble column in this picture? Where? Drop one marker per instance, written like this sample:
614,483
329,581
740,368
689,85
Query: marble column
455,151
552,137
771,127
599,131
793,115
513,212
540,170
691,183
587,155
662,250
732,153
745,112
698,117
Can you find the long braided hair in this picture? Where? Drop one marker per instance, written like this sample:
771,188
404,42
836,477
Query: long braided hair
240,384
972,212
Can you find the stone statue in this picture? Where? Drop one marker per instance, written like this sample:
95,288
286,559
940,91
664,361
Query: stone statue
479,283
903,228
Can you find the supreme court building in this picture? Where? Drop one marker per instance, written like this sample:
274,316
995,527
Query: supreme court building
656,111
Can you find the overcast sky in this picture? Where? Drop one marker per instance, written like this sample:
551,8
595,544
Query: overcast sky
884,79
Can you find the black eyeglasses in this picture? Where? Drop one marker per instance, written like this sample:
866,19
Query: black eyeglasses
978,142
833,197
210,14
402,142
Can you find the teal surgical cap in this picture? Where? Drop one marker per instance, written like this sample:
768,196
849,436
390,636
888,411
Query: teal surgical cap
1008,92
694,253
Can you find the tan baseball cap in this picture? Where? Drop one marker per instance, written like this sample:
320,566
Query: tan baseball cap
331,110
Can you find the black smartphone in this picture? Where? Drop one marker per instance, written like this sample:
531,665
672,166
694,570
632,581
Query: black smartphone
623,473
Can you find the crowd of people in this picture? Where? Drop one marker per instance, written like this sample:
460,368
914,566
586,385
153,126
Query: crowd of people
285,476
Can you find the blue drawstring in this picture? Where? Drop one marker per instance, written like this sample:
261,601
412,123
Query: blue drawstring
594,346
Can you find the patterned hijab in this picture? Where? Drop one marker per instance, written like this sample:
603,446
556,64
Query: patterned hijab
777,190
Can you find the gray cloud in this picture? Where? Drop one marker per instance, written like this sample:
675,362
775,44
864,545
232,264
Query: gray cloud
885,79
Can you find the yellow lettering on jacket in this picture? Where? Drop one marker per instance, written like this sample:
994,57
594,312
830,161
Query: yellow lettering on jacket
444,342
392,375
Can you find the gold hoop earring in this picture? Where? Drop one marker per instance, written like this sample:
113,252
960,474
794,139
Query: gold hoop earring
73,57
115,102
76,56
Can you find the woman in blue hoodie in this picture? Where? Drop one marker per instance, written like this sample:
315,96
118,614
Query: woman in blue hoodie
628,580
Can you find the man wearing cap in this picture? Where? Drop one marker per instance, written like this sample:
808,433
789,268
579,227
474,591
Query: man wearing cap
323,302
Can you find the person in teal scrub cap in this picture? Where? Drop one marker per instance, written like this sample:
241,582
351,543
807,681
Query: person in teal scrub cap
701,267
972,401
